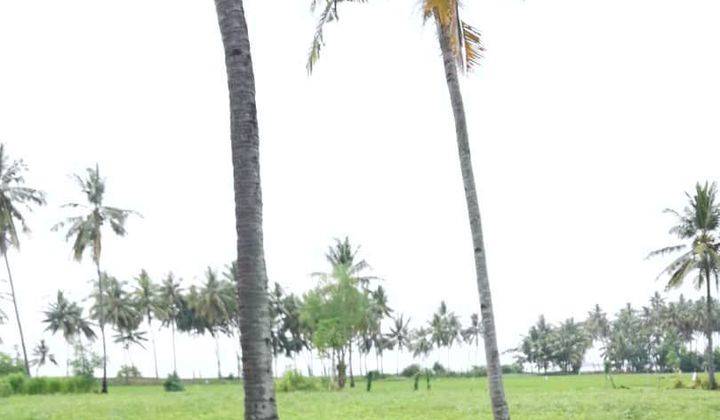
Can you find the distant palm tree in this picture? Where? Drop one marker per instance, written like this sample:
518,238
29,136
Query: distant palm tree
171,303
421,343
66,316
86,232
146,300
41,355
400,336
461,51
473,332
251,272
698,225
15,197
213,307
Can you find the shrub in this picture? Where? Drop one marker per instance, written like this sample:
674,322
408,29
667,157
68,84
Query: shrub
173,383
16,382
677,383
9,365
411,370
54,385
79,385
439,369
295,381
513,368
36,386
5,390
478,371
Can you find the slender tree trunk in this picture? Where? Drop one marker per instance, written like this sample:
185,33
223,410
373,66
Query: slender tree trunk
495,383
101,298
152,337
251,274
708,331
352,378
17,315
217,355
172,327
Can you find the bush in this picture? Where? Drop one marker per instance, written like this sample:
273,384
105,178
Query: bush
295,381
411,371
79,385
9,365
439,369
478,371
514,368
173,383
36,386
5,390
677,383
54,385
16,382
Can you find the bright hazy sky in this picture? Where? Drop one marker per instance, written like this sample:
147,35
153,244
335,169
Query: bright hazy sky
587,118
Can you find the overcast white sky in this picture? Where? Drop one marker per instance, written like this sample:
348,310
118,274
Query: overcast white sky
586,118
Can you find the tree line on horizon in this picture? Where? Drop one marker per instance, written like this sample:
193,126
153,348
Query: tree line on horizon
659,337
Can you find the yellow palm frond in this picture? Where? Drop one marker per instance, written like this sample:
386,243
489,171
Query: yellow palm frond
464,39
472,46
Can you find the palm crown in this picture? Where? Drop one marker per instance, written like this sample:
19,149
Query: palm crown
14,196
87,229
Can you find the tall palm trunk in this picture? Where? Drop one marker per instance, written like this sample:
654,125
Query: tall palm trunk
495,383
217,355
17,314
172,328
251,279
152,338
101,298
708,332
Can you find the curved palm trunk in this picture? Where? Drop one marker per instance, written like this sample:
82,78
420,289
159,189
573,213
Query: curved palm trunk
251,275
495,383
17,314
104,388
708,332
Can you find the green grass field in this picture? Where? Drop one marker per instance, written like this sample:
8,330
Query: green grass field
531,397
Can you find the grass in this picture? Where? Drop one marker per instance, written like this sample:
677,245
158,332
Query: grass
531,397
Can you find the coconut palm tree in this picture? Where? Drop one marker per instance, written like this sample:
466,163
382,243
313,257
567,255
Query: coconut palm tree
698,225
251,273
461,51
213,306
14,198
171,303
41,355
86,230
66,316
472,333
146,301
400,337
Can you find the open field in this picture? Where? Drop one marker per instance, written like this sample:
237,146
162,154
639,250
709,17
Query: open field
570,397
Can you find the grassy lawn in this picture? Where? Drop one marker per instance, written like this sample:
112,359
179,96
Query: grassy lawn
569,397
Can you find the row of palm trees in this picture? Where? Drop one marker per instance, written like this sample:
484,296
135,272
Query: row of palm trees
659,337
210,308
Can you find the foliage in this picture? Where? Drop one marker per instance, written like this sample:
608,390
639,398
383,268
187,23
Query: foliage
128,372
173,383
411,370
16,382
293,380
9,365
